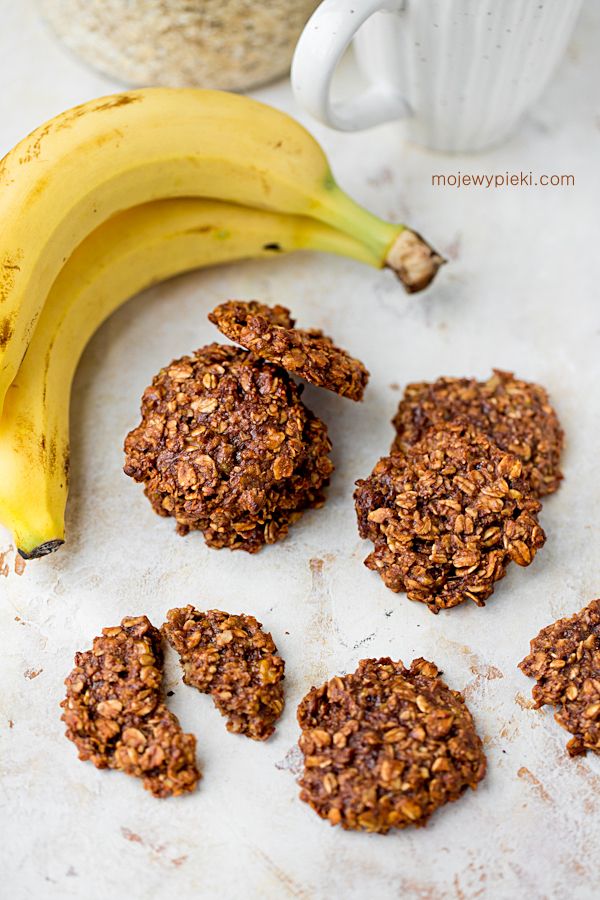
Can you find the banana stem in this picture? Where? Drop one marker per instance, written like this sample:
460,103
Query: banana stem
398,247
41,549
414,261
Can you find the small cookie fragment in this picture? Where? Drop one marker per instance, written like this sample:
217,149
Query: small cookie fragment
116,715
227,447
308,354
515,414
447,517
235,661
386,746
565,661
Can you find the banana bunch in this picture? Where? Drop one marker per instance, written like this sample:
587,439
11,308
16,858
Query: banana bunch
118,194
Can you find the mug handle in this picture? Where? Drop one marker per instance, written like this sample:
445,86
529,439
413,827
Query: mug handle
322,44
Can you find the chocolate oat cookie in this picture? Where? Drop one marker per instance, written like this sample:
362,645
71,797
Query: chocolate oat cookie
447,517
115,711
386,746
234,315
235,661
269,332
515,414
227,447
565,661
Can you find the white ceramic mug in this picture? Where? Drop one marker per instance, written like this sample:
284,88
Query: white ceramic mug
461,72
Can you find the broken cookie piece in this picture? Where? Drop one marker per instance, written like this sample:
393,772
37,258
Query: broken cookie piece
116,715
565,661
516,415
269,333
231,658
227,447
447,517
386,746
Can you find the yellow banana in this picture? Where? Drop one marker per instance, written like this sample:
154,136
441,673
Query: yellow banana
116,152
134,249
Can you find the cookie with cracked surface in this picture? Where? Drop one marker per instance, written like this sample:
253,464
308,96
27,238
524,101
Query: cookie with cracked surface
227,447
309,354
565,661
516,415
386,746
231,658
447,517
116,715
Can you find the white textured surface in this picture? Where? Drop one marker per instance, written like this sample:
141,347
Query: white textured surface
520,292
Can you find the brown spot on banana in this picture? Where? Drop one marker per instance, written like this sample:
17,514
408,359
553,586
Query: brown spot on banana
6,331
10,265
65,120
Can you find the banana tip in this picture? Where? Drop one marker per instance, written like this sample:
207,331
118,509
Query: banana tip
41,549
414,261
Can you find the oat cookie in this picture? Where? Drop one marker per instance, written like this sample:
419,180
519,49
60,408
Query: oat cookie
386,746
447,517
115,711
227,447
235,661
515,414
309,354
565,661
